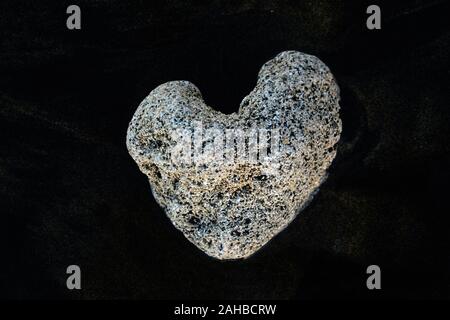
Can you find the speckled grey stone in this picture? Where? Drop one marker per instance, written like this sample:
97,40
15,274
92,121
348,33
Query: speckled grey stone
228,198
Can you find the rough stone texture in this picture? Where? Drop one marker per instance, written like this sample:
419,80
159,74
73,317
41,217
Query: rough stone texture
230,210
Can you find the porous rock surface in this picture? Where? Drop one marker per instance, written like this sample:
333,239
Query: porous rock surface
230,209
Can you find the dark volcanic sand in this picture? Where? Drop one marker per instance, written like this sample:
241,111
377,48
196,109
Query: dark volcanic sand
71,194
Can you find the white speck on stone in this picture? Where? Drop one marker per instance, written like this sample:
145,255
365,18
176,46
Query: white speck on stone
229,204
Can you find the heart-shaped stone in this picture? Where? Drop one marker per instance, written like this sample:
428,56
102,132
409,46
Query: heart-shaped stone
232,182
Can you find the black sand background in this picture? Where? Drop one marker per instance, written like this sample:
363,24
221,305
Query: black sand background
71,194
